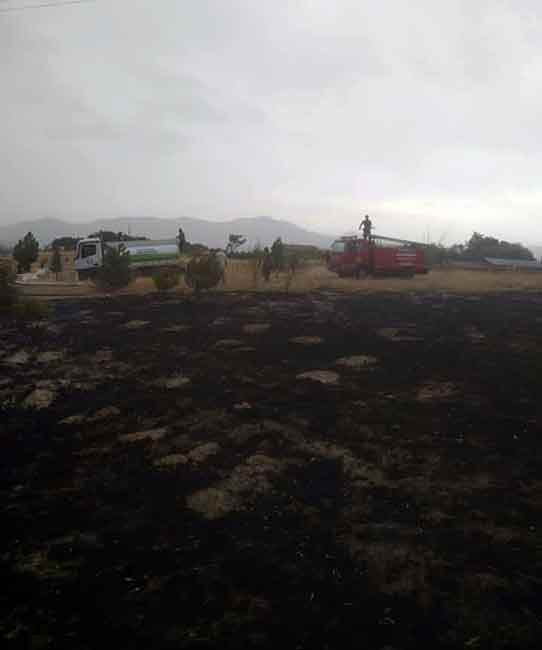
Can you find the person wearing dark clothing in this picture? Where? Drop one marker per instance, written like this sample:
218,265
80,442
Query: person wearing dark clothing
267,264
181,240
366,225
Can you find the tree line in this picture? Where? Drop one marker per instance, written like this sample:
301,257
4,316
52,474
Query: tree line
478,247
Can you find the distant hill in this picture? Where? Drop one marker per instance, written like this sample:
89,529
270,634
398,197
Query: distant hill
211,233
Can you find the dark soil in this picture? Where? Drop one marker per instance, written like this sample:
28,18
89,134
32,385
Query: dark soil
170,487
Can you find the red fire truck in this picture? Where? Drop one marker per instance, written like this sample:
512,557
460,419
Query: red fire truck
376,255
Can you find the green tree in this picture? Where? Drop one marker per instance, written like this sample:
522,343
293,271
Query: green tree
25,252
436,255
277,254
56,263
234,243
480,246
115,272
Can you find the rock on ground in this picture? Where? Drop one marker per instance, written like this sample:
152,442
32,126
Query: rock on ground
73,419
151,434
18,359
307,340
436,391
106,412
135,324
357,361
323,376
171,461
202,452
392,334
175,381
175,329
227,343
256,328
41,398
50,356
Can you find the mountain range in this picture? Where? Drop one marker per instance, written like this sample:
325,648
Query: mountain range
257,230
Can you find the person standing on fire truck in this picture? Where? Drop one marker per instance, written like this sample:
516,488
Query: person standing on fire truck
366,225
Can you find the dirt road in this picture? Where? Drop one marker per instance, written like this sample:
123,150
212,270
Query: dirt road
310,471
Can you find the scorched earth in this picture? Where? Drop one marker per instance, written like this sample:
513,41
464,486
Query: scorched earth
273,471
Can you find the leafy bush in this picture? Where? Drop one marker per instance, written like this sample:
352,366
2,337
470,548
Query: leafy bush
25,252
31,310
203,273
115,272
166,279
8,292
12,306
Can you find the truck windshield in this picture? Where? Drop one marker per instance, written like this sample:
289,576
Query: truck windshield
88,249
337,247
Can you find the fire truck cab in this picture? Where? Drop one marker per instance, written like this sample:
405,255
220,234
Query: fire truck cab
376,255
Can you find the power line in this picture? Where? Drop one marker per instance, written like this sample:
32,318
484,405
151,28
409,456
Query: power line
61,3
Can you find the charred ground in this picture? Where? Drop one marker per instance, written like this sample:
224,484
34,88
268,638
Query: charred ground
173,477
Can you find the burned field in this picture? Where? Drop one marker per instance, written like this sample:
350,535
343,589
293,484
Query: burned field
273,471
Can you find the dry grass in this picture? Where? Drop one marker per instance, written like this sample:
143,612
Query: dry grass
240,276
243,275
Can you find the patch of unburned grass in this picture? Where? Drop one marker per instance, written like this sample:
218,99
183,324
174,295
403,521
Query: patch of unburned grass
243,275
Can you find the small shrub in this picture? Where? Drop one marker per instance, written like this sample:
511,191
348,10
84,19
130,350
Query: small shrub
115,272
31,310
203,273
166,279
8,292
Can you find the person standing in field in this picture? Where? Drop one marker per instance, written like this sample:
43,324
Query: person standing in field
366,225
181,240
222,260
267,264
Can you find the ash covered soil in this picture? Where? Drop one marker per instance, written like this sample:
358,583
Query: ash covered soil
317,471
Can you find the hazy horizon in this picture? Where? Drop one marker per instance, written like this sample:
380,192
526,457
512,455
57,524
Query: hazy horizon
426,117
136,217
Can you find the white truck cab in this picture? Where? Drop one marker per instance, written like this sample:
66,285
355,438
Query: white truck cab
89,257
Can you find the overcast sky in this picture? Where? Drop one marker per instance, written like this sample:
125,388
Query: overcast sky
425,114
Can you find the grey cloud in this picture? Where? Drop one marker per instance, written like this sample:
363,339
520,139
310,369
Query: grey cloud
423,113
